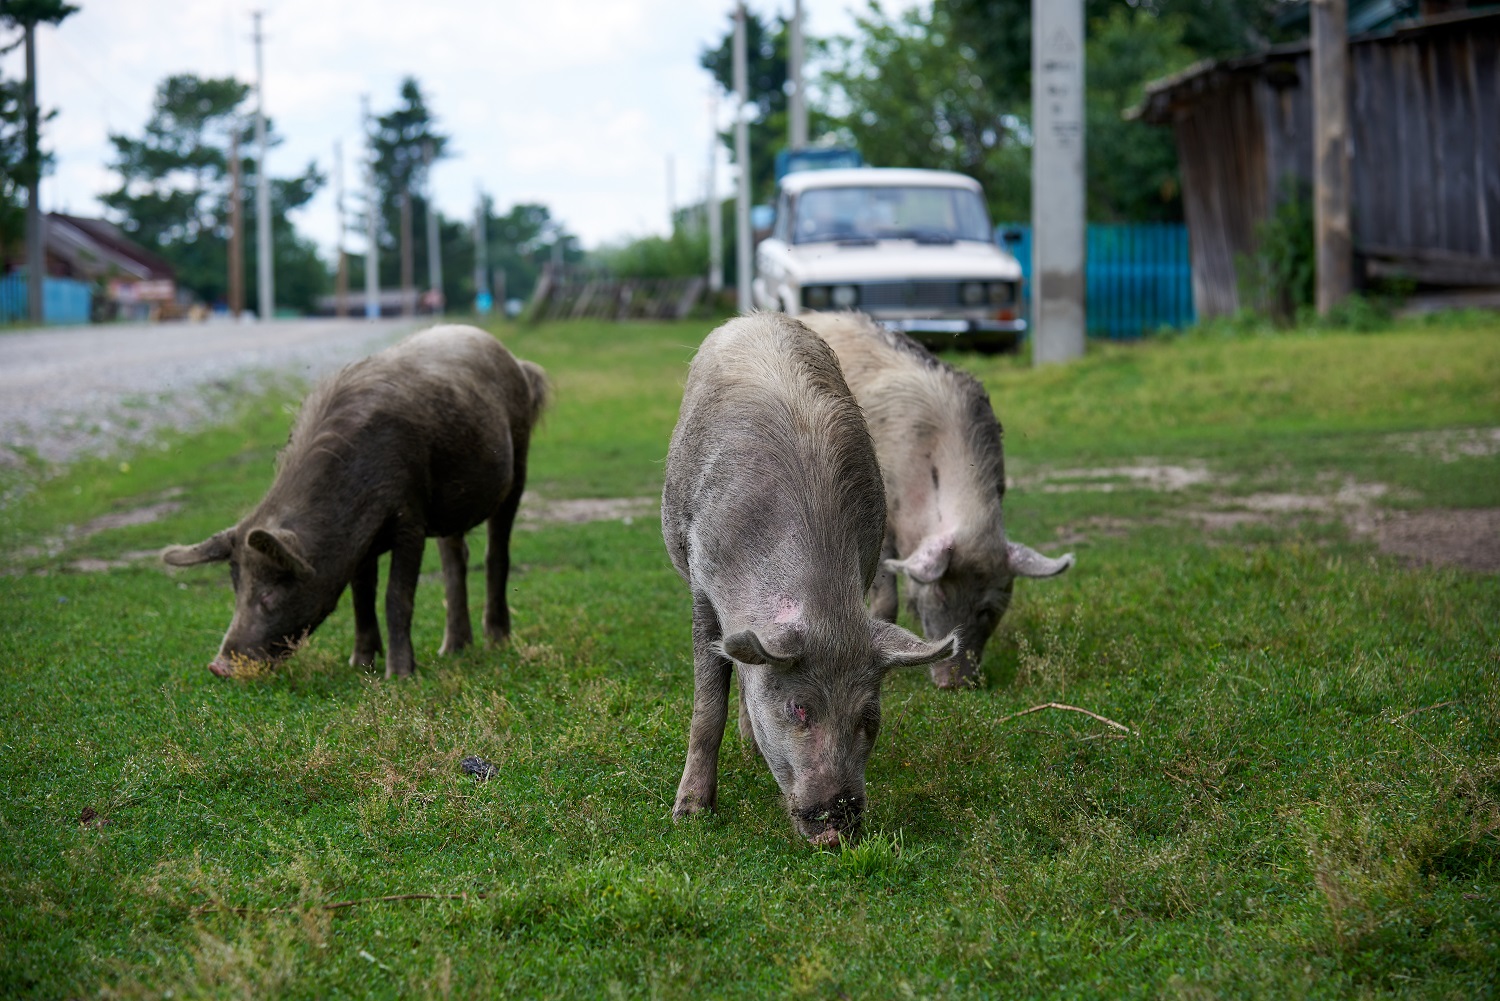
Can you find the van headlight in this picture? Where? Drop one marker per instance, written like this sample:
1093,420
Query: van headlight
815,297
845,296
971,293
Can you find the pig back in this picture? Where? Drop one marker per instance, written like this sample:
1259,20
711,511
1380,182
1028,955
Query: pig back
431,425
771,473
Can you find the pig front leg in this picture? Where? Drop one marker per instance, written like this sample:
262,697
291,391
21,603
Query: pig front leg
400,598
497,556
363,587
883,590
457,633
699,788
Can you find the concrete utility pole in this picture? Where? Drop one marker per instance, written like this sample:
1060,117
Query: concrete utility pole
671,195
341,281
408,255
264,272
36,226
796,100
482,298
742,247
372,219
711,204
236,227
1330,66
1058,227
434,246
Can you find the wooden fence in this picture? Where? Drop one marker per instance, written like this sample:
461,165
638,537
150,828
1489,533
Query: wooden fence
564,294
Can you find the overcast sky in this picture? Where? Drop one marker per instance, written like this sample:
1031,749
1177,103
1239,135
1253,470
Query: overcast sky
572,103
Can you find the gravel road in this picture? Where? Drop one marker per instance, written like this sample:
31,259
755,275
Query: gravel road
79,391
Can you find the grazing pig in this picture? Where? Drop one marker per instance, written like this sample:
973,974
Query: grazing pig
773,514
426,438
939,448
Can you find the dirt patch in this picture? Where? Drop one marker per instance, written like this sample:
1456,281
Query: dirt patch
1462,538
56,545
1142,475
135,516
1449,445
539,510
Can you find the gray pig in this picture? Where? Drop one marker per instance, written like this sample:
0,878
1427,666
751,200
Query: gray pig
773,514
426,438
939,447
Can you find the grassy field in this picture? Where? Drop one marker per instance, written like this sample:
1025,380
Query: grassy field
1308,803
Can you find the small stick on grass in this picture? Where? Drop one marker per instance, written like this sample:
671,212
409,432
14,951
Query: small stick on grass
392,898
1071,709
1423,709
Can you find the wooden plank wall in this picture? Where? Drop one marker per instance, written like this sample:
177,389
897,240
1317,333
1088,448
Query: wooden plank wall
1424,146
1221,149
1426,137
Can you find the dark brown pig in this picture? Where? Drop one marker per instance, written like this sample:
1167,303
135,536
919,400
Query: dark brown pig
773,514
939,447
426,438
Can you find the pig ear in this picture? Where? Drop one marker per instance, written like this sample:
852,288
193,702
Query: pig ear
928,564
898,648
1027,562
214,549
281,547
746,647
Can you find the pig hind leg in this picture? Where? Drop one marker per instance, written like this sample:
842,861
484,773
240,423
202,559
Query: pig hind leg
400,599
457,632
363,587
699,788
497,555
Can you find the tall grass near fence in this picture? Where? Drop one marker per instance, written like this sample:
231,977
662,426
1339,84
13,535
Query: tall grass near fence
1307,803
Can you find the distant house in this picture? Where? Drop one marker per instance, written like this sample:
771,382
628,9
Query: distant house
1424,151
135,281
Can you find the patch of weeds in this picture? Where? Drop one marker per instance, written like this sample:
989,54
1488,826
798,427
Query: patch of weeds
605,901
872,855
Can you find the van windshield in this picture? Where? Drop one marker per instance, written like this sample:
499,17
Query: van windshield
925,214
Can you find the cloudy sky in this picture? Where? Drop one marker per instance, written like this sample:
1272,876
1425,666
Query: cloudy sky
573,103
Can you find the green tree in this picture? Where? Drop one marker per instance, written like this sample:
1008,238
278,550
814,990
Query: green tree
22,160
916,99
174,193
406,144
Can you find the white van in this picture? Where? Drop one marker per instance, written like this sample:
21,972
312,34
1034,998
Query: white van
912,248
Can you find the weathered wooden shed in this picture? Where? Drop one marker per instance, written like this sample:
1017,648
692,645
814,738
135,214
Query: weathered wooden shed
1424,152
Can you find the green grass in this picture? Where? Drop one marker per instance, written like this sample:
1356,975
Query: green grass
1309,804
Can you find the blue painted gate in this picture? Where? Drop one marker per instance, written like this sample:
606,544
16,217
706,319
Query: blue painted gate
63,300
1139,277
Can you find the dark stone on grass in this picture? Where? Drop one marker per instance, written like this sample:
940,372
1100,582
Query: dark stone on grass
480,768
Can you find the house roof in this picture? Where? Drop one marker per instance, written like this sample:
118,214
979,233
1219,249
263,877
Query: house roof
1164,94
97,248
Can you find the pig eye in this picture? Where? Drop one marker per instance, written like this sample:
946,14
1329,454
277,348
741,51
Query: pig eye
796,712
267,600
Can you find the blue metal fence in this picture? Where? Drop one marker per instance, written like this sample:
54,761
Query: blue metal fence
63,300
1138,274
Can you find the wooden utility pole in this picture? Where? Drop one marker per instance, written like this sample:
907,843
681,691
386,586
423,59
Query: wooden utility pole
434,240
372,217
236,227
1058,319
36,256
1330,81
341,280
265,275
742,245
408,262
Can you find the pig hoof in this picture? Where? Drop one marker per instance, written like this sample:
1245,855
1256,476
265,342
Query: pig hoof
689,805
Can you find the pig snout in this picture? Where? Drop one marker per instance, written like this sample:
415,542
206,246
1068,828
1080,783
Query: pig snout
824,824
961,671
221,667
